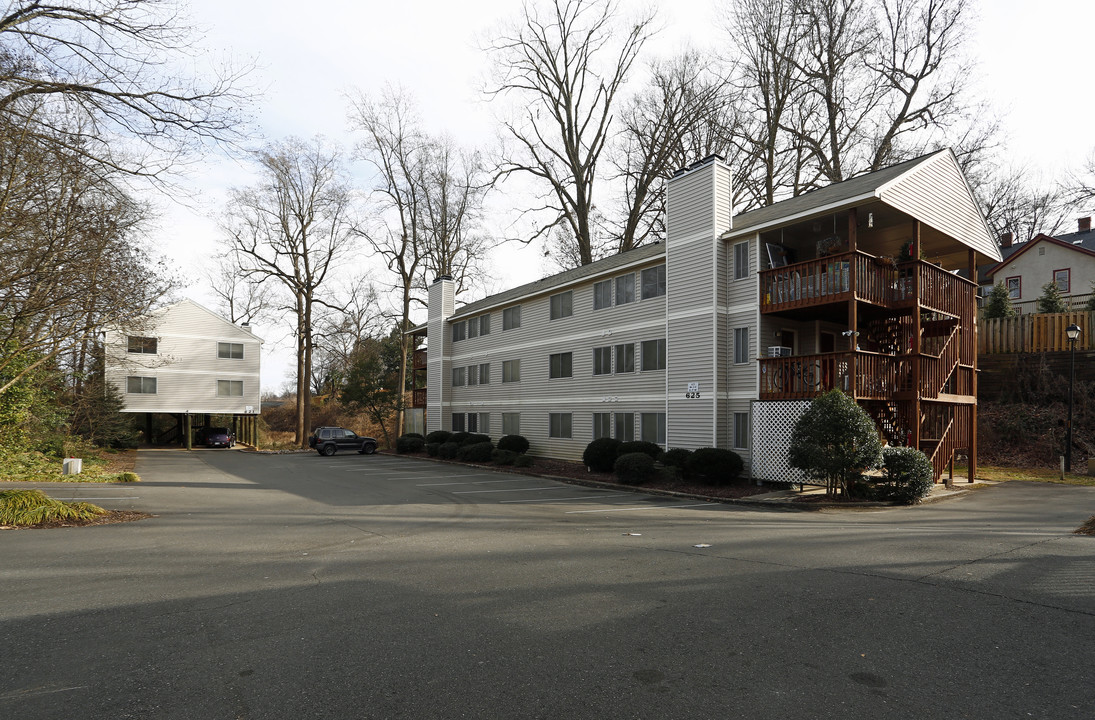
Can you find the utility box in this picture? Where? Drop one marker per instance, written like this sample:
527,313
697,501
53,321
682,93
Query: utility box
72,466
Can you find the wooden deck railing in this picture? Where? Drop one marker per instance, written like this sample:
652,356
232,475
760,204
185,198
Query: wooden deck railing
419,359
937,368
802,377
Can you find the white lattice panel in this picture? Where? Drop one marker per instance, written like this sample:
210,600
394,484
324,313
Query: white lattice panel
773,423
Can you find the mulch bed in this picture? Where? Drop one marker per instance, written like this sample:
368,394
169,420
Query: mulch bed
108,518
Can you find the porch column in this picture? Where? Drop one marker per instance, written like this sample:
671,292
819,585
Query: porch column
853,310
971,471
915,359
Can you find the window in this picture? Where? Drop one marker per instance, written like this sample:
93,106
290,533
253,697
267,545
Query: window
484,324
741,260
562,305
140,385
511,423
741,431
602,425
457,377
473,328
1063,279
511,318
602,295
230,351
230,388
458,422
484,374
473,374
653,354
741,346
484,423
653,427
561,365
625,289
473,422
559,425
625,427
459,331
145,345
602,361
1015,288
511,371
653,282
625,358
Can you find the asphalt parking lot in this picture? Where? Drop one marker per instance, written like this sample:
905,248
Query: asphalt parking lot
384,587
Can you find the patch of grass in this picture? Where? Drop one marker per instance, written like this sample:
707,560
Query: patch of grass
1001,473
98,466
33,507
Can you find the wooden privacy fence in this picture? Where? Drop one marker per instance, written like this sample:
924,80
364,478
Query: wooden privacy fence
1044,332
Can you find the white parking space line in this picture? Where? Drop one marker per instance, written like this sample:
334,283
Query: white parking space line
478,492
658,507
477,482
112,497
555,499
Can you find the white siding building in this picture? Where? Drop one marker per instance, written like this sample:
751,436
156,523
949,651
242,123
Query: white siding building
678,342
186,361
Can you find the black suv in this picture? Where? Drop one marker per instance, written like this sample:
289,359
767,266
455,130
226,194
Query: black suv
329,440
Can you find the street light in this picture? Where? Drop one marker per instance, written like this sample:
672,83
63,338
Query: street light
1072,332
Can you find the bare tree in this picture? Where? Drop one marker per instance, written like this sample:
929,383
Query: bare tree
293,227
240,298
103,79
1016,200
339,333
683,114
563,63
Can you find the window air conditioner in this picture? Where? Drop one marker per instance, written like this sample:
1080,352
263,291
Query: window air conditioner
778,351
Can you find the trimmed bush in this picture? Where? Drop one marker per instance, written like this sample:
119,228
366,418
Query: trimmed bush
634,468
458,437
715,465
907,473
415,435
474,439
503,457
835,440
447,450
654,450
677,458
409,443
433,448
514,443
600,455
477,452
522,461
439,436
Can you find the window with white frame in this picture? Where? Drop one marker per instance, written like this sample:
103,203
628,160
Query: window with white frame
484,423
484,324
458,422
602,361
652,427
458,376
653,354
1015,287
230,388
625,289
459,331
741,346
741,260
624,426
511,318
741,431
625,358
230,351
1063,278
142,345
602,295
473,422
561,365
511,371
511,423
559,425
140,385
602,425
484,373
473,328
562,305
473,375
653,282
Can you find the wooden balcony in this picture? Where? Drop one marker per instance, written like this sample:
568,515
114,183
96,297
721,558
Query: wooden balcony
418,398
803,377
419,359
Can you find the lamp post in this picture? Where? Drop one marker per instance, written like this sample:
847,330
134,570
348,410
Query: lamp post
1072,332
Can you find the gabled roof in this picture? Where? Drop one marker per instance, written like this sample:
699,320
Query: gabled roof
910,187
214,316
1081,242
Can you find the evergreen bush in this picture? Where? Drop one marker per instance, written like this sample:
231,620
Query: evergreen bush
654,450
476,452
433,448
677,458
600,455
907,473
515,443
634,468
503,457
835,440
998,304
447,450
439,436
458,437
475,439
1050,301
714,465
410,443
522,461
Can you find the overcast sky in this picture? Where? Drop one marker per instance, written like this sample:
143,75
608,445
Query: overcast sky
1032,63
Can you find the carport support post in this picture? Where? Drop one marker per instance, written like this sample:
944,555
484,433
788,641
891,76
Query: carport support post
186,429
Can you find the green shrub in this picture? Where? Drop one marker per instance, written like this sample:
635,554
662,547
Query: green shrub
600,455
503,457
433,448
414,435
514,443
439,436
478,452
715,465
33,507
835,440
409,443
522,461
475,439
634,468
448,450
129,477
458,437
654,450
908,475
677,458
